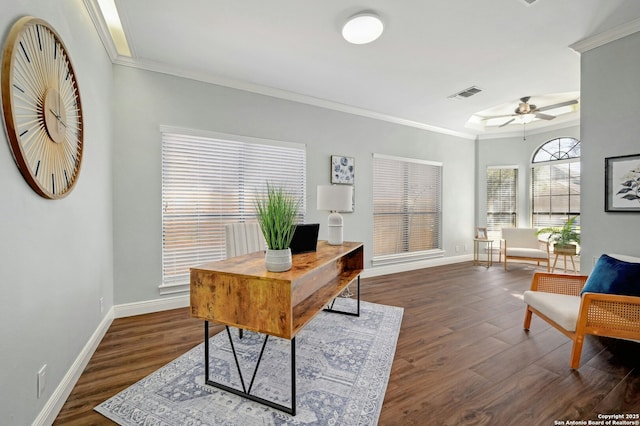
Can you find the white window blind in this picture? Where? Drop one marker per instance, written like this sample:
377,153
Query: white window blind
555,193
502,187
555,183
208,182
407,209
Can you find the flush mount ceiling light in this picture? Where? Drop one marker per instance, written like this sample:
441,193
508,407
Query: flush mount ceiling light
362,28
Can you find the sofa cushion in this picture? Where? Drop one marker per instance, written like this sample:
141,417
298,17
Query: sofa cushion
614,276
560,308
527,252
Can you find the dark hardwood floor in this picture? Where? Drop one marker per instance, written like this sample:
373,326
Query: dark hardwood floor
462,356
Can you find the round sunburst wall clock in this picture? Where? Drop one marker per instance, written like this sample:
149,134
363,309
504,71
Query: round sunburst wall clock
41,107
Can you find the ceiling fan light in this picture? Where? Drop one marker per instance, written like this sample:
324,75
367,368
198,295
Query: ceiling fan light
524,108
527,118
362,28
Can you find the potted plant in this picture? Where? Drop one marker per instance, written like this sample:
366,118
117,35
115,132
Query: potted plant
276,213
563,237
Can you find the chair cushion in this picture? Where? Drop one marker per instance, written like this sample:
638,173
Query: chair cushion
560,308
527,252
614,276
243,238
521,237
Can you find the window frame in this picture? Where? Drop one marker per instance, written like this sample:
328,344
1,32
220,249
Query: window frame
558,159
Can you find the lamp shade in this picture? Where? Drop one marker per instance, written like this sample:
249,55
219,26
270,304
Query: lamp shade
335,198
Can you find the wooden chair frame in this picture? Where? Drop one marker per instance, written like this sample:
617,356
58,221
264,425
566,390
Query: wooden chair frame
608,315
503,252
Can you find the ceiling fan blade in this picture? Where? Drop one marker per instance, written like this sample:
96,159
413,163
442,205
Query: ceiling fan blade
558,105
544,116
507,122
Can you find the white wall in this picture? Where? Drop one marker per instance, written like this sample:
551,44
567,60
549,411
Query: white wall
56,256
610,126
513,151
146,100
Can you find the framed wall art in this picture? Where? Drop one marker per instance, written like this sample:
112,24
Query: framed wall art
342,170
622,183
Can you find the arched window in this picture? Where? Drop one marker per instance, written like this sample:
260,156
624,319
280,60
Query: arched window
555,183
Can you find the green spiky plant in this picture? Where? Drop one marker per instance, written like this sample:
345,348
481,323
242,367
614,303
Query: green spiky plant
562,235
276,212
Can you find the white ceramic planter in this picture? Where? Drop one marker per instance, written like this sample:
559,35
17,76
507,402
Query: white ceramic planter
278,260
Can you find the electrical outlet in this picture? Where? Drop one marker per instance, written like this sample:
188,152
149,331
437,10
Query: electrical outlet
102,305
42,380
457,249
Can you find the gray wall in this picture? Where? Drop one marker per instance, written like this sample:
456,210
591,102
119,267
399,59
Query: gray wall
513,151
56,256
146,100
610,126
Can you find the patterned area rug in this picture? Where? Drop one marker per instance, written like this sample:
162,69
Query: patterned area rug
342,363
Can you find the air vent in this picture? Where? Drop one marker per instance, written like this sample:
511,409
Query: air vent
466,93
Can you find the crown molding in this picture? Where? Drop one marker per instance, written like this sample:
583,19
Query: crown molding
607,36
101,28
282,94
105,36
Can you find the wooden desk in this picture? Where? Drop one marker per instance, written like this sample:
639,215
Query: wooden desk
240,292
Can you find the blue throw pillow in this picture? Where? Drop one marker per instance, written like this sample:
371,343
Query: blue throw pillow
614,276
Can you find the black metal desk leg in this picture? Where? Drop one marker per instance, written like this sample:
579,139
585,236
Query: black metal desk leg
358,295
206,351
293,376
336,311
246,392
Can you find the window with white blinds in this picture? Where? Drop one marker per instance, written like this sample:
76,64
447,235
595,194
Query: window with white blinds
208,182
555,183
407,209
502,203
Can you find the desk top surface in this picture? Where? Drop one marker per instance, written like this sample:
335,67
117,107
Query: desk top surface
253,264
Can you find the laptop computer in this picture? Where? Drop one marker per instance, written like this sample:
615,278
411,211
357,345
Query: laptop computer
305,238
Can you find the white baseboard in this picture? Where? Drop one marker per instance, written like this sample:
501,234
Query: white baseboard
410,266
53,406
150,306
63,390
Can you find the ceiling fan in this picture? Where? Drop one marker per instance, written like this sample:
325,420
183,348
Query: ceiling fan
525,108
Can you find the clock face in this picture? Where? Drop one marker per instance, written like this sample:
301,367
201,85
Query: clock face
41,108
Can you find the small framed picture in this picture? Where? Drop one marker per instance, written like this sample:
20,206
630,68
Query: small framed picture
481,233
622,183
342,170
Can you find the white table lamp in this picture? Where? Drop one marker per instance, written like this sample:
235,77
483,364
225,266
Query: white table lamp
335,198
